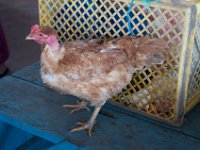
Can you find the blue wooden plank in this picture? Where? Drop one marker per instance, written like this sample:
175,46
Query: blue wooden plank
190,126
12,137
16,101
38,110
35,143
65,146
30,73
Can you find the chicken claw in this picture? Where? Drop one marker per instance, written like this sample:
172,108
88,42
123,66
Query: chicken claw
77,107
89,125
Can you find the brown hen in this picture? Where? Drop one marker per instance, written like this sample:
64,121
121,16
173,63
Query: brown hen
94,70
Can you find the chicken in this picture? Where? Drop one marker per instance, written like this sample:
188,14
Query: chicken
93,70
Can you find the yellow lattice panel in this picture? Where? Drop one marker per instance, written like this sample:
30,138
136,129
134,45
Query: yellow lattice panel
159,91
194,86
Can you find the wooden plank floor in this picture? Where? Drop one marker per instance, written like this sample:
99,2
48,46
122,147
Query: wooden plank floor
29,105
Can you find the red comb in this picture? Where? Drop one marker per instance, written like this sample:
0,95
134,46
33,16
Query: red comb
35,28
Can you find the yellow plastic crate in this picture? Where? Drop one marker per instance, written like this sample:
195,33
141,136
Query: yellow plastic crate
164,92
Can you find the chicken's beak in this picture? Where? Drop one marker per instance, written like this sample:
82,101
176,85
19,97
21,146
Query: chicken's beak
29,37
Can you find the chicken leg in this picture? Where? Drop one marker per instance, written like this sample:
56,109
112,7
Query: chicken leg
89,125
77,107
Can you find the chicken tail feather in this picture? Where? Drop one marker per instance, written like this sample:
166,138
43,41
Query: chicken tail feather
144,51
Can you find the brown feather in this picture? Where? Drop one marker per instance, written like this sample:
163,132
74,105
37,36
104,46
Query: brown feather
96,70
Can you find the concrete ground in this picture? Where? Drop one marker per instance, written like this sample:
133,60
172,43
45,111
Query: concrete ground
17,16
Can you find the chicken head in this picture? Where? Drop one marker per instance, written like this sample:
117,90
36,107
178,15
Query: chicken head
38,34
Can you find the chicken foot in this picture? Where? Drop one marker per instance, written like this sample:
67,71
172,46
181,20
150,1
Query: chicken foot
89,125
77,107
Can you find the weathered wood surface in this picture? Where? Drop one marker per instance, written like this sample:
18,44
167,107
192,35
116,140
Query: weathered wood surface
35,143
63,145
27,104
190,127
